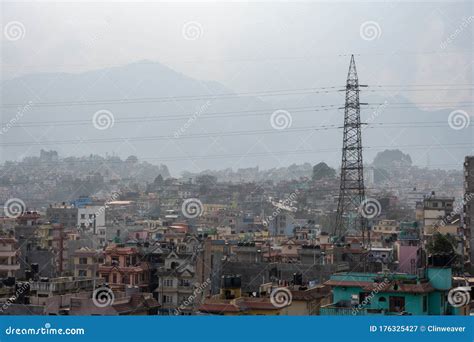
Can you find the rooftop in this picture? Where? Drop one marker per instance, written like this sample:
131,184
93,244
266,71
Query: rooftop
242,305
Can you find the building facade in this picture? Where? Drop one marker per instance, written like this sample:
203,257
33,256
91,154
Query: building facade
9,263
468,205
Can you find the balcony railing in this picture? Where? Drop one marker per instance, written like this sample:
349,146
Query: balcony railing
4,253
331,310
341,311
9,267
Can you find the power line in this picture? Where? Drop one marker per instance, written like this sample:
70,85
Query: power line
264,93
165,60
172,117
160,137
428,89
190,136
422,85
180,98
251,113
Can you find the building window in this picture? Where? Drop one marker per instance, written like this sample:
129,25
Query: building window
82,273
425,303
83,261
83,216
364,296
397,304
184,282
168,282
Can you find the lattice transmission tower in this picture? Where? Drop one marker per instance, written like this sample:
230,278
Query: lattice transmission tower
352,191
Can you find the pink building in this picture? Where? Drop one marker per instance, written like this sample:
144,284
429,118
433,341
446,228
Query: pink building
408,259
409,248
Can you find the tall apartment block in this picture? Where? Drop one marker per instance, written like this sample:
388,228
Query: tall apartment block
469,202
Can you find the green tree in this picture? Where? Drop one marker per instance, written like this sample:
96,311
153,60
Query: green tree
391,158
322,171
441,244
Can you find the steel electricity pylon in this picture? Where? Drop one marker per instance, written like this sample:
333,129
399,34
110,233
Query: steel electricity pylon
351,192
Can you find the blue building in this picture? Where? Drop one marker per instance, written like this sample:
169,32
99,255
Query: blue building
391,294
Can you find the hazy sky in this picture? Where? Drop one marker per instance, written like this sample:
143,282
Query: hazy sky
253,47
248,46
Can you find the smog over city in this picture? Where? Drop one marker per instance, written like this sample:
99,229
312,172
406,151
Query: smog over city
268,158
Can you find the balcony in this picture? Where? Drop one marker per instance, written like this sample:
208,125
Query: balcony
332,310
64,285
7,291
341,311
9,267
409,236
185,289
5,253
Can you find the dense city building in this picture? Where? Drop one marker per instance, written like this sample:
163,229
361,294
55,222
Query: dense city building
201,245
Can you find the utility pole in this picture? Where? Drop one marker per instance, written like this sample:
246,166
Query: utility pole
352,191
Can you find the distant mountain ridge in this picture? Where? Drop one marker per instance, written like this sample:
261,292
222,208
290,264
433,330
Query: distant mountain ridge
178,103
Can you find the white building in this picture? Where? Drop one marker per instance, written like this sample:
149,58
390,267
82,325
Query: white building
90,216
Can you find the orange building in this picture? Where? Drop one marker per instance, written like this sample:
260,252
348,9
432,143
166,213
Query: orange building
123,266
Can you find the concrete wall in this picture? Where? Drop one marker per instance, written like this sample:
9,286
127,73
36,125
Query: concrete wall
408,259
255,274
413,302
